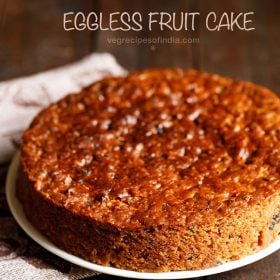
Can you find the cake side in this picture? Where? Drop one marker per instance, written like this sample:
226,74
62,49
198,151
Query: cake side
154,248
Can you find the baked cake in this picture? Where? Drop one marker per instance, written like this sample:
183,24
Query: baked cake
160,170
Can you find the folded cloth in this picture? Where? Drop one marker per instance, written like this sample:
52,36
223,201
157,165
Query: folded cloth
21,99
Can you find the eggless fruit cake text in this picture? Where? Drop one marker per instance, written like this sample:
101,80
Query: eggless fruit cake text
136,21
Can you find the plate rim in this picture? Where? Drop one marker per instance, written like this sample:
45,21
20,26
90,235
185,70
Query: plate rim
18,214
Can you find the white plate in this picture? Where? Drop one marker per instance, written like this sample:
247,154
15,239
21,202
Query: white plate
17,211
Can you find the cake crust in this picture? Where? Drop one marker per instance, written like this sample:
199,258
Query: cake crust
161,170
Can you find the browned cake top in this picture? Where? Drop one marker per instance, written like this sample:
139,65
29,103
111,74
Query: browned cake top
157,147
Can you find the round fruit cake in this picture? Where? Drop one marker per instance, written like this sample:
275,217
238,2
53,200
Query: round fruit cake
160,170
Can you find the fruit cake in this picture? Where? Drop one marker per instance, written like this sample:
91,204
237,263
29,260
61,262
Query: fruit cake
160,170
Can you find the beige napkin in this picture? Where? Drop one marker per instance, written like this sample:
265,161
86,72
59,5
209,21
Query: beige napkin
21,99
